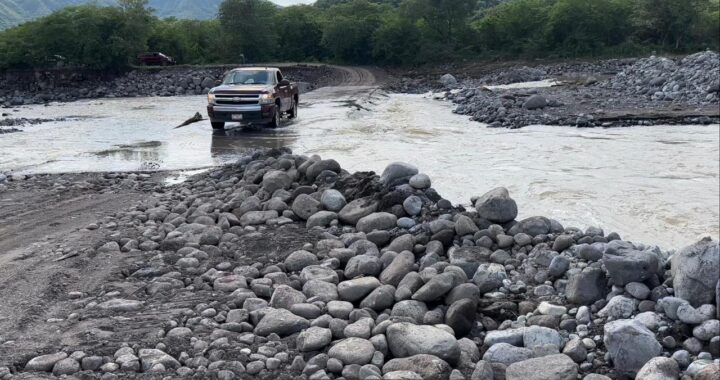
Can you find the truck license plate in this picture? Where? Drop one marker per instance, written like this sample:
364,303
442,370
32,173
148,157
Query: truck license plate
237,117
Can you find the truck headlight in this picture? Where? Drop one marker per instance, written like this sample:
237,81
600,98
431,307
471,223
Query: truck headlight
211,98
267,98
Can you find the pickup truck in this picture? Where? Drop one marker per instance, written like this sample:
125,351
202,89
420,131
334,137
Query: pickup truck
252,95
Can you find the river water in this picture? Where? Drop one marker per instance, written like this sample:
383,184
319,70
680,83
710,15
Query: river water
652,184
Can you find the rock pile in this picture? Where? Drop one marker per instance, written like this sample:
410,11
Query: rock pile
694,79
394,283
149,82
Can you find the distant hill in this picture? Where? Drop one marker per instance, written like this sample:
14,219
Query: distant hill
13,12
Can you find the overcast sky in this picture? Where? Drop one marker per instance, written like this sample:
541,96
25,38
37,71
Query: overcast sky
292,2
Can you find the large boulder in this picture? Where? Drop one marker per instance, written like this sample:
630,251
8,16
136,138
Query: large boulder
353,351
397,173
696,270
497,206
586,287
551,367
535,102
629,265
305,206
448,80
406,339
429,367
630,345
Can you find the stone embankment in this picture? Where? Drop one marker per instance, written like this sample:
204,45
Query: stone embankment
376,277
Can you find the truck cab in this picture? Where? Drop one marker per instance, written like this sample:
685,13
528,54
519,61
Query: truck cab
252,95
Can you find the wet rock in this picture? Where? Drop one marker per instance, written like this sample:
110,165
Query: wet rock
353,211
152,357
630,345
535,102
551,367
413,205
429,367
318,167
406,339
352,351
434,289
420,181
461,316
497,206
696,270
628,266
468,258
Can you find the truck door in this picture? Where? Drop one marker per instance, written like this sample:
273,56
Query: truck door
284,92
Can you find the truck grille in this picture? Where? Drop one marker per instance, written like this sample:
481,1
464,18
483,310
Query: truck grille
238,99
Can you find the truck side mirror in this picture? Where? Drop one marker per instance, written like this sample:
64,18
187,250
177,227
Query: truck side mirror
284,82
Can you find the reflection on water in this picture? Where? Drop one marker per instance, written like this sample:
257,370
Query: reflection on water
652,184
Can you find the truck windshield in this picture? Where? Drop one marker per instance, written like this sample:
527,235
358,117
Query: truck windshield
248,77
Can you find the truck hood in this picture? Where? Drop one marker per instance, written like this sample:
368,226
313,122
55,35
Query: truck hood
238,88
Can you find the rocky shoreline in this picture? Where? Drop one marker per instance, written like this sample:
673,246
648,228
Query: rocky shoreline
284,266
613,93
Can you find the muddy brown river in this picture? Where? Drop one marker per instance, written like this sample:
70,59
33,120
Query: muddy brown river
651,184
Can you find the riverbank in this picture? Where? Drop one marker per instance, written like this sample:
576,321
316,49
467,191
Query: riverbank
611,93
281,265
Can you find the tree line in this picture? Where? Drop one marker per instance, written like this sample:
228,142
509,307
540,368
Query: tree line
385,32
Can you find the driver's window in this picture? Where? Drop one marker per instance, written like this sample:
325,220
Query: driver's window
278,76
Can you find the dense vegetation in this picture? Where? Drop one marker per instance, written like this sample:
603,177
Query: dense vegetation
391,32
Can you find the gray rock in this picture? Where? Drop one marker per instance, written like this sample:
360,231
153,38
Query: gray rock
413,205
397,173
363,265
313,339
406,339
353,211
434,289
305,206
497,206
588,252
630,345
510,336
619,307
535,102
318,167
352,351
638,290
489,277
429,367
298,260
321,219
461,316
586,287
707,330
402,375
44,363
696,270
377,221
537,336
420,181
628,266
284,297
448,80
465,226
469,258
281,322
483,371
356,289
576,350
151,357
380,298
409,308
690,315
332,200
121,305
660,368
551,367
506,354
67,366
558,266
325,290
401,265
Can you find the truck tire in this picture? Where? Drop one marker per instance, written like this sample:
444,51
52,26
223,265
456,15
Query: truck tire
275,122
218,125
294,110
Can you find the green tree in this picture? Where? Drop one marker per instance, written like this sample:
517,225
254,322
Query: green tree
348,30
248,29
667,23
515,27
299,30
397,41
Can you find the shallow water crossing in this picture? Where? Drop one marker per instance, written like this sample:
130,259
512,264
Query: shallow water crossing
651,184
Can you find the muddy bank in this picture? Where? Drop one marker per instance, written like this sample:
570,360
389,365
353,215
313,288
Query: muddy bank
21,88
284,266
648,91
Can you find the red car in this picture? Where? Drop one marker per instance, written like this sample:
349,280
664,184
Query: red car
156,59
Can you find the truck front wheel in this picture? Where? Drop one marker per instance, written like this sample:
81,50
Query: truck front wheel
217,125
275,122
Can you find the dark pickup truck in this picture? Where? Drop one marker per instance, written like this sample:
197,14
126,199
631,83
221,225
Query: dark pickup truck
252,95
